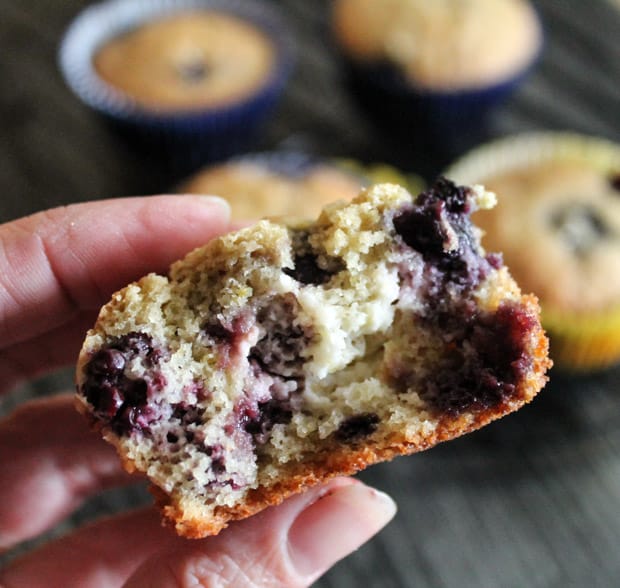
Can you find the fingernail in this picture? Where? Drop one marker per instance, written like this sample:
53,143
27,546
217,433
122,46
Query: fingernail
210,200
335,525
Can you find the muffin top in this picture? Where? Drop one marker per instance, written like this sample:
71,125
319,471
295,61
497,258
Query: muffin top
558,225
441,44
255,190
187,61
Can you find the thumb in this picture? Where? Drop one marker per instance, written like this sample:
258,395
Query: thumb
290,545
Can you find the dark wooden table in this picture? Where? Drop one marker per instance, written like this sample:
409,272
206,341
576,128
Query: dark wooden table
531,501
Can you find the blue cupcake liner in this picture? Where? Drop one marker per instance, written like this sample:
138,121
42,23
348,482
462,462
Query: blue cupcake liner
184,139
433,115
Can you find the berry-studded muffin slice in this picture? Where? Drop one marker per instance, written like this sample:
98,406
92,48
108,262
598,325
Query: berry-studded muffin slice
281,355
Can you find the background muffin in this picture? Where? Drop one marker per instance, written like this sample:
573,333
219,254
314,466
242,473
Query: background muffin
442,63
191,60
558,225
285,183
192,79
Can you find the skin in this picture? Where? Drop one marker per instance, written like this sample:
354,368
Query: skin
56,269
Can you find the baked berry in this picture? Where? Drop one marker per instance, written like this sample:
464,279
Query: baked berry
357,427
486,359
581,227
119,399
437,226
279,351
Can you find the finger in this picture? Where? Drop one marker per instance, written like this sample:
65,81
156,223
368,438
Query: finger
50,462
55,263
274,548
288,546
99,555
45,352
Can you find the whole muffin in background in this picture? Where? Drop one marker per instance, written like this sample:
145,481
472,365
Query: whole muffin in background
191,80
288,184
558,225
443,62
191,60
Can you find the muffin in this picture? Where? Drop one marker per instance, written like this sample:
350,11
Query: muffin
288,183
193,79
442,64
558,225
275,184
192,60
278,356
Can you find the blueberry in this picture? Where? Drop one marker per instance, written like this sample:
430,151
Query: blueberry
269,413
580,226
107,361
116,398
193,72
423,229
357,427
279,351
218,461
438,226
483,363
306,266
307,271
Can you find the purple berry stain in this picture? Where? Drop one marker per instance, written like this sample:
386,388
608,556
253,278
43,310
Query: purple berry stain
278,352
484,360
119,400
484,352
438,226
259,423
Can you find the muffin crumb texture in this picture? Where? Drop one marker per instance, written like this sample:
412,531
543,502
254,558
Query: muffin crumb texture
278,356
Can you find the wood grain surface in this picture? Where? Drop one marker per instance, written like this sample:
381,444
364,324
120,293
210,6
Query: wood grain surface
531,501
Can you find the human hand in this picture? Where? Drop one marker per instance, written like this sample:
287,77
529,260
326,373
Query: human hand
56,269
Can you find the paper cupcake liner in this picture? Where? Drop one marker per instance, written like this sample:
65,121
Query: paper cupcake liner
584,343
383,91
185,138
533,148
439,117
579,341
379,173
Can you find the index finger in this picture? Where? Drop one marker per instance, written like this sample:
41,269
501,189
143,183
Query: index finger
54,265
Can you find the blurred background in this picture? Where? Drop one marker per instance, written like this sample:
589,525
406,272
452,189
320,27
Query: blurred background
532,500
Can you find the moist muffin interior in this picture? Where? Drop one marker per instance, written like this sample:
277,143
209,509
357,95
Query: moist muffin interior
277,347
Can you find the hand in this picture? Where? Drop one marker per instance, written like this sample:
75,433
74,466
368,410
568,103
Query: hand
56,269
